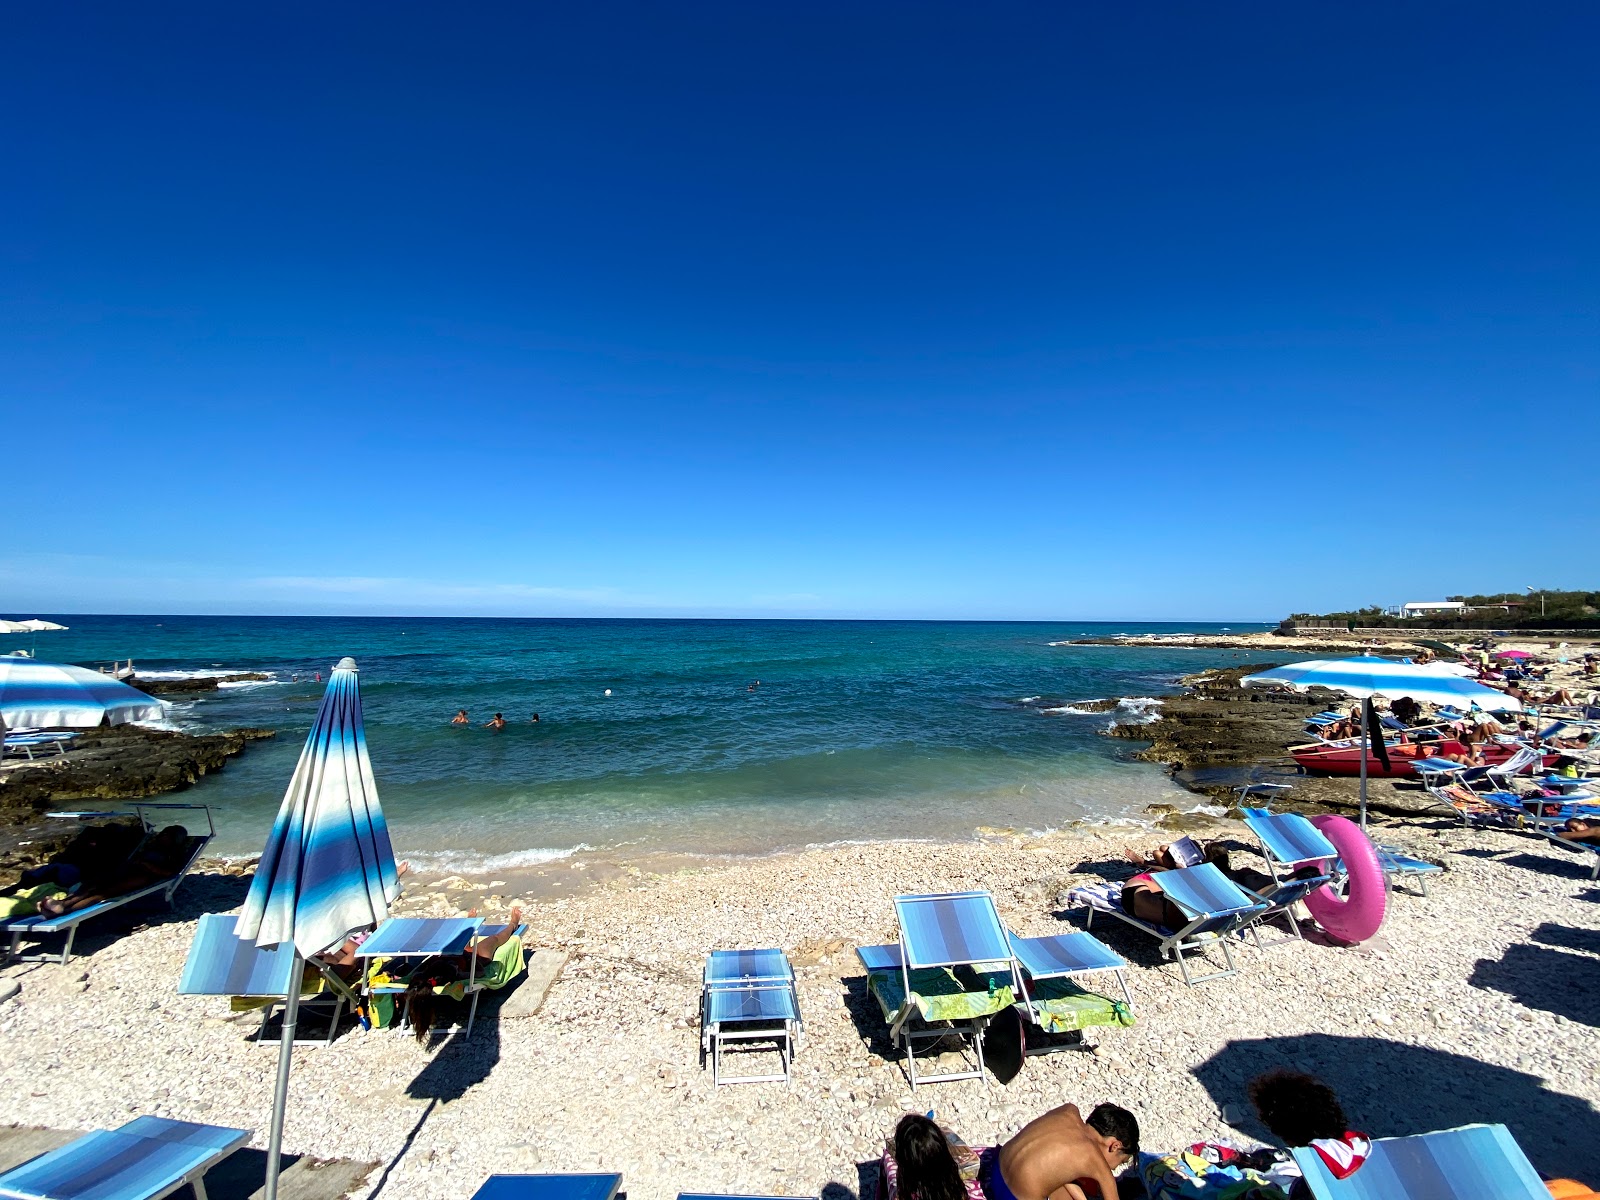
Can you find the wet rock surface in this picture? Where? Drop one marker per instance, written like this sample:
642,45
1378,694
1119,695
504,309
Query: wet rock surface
200,683
1217,736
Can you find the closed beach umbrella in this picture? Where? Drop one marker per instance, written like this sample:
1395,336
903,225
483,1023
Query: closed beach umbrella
57,695
1368,675
328,868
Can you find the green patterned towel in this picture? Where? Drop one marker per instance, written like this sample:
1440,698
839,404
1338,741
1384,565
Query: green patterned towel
1062,1007
938,995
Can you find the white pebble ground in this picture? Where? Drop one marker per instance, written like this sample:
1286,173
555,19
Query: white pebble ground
1476,1004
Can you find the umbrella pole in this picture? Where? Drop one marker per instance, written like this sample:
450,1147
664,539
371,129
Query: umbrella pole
1367,712
280,1098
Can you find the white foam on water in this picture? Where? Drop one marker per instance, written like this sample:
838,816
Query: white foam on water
1066,710
202,673
1028,700
467,862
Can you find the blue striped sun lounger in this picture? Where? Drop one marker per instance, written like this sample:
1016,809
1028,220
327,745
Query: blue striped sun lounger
1048,961
41,925
221,963
1217,908
424,937
1475,1162
748,996
549,1187
1398,865
916,982
146,1159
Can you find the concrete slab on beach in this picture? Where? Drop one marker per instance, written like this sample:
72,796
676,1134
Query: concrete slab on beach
240,1176
527,998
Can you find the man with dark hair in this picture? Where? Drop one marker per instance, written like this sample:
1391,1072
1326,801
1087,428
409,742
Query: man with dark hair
1062,1153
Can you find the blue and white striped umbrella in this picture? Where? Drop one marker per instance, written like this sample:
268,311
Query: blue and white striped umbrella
1368,675
45,695
328,868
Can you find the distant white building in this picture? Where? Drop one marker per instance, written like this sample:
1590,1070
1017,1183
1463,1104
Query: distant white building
1421,608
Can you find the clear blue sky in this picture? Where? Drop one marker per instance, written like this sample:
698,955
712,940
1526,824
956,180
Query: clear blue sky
1208,311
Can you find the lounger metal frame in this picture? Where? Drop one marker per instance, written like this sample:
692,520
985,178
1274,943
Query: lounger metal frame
786,1032
21,927
1108,962
470,931
971,1029
1203,932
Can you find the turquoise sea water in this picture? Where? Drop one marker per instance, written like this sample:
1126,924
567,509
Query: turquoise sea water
858,730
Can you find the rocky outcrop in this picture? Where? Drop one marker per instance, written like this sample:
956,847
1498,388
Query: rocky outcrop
1216,734
200,683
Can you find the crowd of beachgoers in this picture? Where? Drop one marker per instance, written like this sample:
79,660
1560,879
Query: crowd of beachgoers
1474,1003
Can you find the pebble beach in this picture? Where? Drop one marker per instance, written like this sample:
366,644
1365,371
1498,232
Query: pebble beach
1477,1003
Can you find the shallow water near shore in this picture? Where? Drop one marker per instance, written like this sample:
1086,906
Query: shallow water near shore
857,731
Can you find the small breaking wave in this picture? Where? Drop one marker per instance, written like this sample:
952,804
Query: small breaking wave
465,862
1067,710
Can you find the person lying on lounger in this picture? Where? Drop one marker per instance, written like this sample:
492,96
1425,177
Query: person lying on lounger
1062,1155
159,859
1582,829
450,968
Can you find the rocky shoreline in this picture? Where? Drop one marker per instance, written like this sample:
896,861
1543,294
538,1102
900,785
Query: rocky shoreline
121,762
1215,736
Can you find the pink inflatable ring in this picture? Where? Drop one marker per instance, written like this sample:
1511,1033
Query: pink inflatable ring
1359,913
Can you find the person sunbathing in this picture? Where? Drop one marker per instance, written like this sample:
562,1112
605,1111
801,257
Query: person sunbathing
1060,1155
1581,829
441,969
159,859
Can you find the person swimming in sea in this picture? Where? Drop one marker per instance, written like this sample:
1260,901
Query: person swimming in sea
535,720
497,723
460,718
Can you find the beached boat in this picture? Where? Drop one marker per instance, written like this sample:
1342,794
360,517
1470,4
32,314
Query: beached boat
1336,758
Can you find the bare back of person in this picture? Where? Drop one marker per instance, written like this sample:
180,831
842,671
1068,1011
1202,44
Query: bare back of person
1048,1157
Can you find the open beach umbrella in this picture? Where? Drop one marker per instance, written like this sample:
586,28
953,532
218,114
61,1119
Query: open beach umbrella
1368,675
328,868
32,625
57,695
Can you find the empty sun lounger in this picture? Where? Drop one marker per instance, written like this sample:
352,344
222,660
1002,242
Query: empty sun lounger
549,1187
1288,840
1475,1162
34,745
42,924
1399,866
220,963
1051,997
1216,906
951,971
748,996
146,1159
